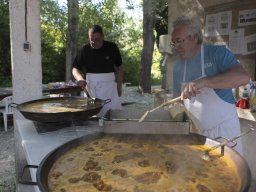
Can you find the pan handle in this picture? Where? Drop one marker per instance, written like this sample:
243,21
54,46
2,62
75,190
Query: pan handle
13,105
27,182
107,101
224,139
87,93
233,140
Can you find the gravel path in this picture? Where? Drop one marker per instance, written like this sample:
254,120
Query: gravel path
7,158
7,162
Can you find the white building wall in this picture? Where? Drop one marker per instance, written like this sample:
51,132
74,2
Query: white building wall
26,65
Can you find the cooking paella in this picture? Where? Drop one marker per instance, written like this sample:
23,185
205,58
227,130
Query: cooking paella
128,164
60,105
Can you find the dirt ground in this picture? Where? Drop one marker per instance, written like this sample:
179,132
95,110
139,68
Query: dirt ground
7,160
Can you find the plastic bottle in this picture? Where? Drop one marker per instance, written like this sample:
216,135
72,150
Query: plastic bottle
253,97
244,102
245,94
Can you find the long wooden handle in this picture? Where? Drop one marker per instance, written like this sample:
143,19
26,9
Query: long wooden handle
158,107
87,93
143,116
166,103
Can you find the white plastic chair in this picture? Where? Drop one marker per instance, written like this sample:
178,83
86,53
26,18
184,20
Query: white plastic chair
6,110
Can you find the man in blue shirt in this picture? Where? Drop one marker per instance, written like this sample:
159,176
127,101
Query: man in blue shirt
204,77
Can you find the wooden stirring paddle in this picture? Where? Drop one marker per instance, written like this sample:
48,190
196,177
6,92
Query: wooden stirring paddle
158,107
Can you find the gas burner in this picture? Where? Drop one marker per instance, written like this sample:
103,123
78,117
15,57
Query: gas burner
44,127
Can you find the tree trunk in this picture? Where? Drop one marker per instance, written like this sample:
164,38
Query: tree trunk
148,45
71,44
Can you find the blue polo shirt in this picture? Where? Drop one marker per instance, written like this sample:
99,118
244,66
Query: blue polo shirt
217,59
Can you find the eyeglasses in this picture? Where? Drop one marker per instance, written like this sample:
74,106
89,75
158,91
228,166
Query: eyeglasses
178,42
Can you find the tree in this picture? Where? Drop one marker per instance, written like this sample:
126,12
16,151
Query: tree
71,42
161,24
53,40
118,27
131,49
161,27
148,45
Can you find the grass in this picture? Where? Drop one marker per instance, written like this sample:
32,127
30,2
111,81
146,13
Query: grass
8,184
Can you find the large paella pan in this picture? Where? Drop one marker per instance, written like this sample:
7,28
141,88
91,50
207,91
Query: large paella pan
60,109
148,163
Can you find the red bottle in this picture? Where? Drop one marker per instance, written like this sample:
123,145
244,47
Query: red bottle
243,104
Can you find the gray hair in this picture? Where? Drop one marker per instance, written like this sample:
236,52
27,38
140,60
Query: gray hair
193,27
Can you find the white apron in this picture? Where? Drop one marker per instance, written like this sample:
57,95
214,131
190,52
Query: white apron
103,86
214,116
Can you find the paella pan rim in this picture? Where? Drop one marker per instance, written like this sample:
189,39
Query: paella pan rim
49,159
60,116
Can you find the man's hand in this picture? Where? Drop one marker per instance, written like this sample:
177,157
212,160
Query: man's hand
191,89
81,83
78,77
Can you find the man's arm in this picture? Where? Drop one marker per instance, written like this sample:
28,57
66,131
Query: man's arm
119,78
232,78
78,77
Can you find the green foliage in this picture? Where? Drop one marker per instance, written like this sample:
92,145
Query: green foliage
105,13
161,28
156,74
53,41
161,25
117,26
5,55
131,47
